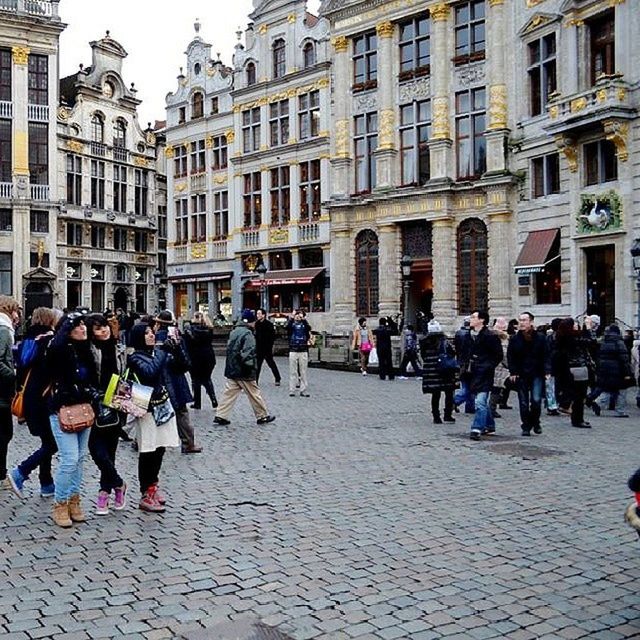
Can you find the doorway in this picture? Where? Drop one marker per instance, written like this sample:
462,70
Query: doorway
37,294
601,282
121,299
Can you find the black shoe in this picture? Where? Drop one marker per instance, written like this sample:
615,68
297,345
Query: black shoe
124,436
474,435
437,420
582,425
497,415
504,406
526,432
197,407
192,449
537,429
265,419
304,394
222,421
292,395
449,419
596,408
553,412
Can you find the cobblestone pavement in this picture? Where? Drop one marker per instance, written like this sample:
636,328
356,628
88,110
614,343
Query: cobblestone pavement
351,516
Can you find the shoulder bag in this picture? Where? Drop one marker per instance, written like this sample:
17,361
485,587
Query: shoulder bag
446,362
17,404
76,417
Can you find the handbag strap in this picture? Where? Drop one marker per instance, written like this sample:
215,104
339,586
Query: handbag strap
23,386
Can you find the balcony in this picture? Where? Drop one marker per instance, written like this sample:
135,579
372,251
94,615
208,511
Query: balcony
43,8
120,154
40,192
38,112
250,238
219,249
6,108
308,232
6,190
98,149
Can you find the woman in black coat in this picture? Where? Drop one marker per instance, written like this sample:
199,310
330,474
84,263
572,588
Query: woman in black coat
434,380
199,342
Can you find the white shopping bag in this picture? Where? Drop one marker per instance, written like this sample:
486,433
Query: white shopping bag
373,356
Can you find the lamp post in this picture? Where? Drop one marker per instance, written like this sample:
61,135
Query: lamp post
157,276
635,259
262,271
406,264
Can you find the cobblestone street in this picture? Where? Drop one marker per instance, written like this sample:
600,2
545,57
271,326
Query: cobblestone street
351,516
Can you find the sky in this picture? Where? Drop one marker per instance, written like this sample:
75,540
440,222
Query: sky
154,38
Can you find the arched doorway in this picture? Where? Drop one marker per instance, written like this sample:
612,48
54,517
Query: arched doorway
37,294
121,299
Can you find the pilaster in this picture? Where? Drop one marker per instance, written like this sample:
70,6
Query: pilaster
390,286
500,241
342,280
444,305
341,142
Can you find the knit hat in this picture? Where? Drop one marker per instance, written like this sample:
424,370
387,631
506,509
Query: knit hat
595,320
434,327
248,316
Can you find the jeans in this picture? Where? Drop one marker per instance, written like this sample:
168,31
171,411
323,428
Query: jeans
550,394
41,457
483,418
149,465
619,399
464,396
197,384
72,450
530,401
268,358
103,444
6,434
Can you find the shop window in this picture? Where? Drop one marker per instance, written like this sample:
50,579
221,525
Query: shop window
367,287
473,279
548,283
311,258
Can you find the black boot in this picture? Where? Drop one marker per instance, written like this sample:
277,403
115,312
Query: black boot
437,419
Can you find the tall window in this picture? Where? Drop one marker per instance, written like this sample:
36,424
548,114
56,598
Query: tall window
545,178
97,184
252,200
470,36
120,134
251,129
5,151
98,234
367,288
415,123
309,55
182,115
6,220
197,105
279,122
542,72
38,79
473,279
97,128
602,40
215,108
366,142
141,241
199,218
280,196
309,115
141,290
220,153
182,221
279,58
415,48
119,188
470,127
5,74
180,162
365,61
162,222
198,157
74,234
310,197
74,179
221,214
39,221
601,164
120,240
251,73
39,153
6,273
141,192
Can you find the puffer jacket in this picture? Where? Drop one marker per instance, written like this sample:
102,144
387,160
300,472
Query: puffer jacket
241,354
613,363
431,348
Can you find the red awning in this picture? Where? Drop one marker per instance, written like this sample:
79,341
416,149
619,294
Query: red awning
538,251
288,276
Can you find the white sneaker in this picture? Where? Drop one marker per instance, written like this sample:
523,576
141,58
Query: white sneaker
402,378
364,373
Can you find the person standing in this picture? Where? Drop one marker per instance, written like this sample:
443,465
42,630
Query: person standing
527,358
240,371
265,338
462,346
363,342
299,332
436,380
501,374
382,336
198,339
9,319
409,352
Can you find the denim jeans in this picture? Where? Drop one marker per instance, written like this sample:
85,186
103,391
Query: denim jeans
483,418
72,450
550,394
619,398
530,400
464,396
41,457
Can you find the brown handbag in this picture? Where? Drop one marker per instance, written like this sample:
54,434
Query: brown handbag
76,417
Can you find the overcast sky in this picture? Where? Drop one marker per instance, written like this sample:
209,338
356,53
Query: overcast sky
154,37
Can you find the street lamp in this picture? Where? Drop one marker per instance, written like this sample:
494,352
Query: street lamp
635,259
262,271
406,264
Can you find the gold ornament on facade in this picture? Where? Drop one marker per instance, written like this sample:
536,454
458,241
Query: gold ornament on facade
291,18
496,3
262,29
340,44
441,118
150,138
569,148
535,22
75,145
617,132
533,3
440,12
498,106
230,135
63,114
554,111
574,22
601,95
387,129
209,142
220,178
169,152
578,104
342,139
199,251
278,235
622,94
20,55
385,29
180,187
140,162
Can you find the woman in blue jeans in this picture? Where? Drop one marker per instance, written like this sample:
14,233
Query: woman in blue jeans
74,381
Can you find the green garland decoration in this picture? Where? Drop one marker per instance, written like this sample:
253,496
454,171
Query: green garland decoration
609,198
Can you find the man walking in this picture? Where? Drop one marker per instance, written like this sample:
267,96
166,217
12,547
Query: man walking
299,332
410,352
265,337
240,371
527,359
383,346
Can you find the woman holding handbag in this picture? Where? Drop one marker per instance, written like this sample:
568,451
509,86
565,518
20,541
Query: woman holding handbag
363,342
73,399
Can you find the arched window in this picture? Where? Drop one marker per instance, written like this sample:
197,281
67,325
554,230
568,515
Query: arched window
279,58
367,291
309,55
120,134
251,74
473,278
197,105
97,128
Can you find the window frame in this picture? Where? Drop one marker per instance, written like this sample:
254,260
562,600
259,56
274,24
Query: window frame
279,123
220,215
120,178
251,129
419,149
198,217
475,275
182,220
38,153
367,57
310,190
180,169
607,48
197,105
309,55
38,79
252,199
75,234
6,150
541,72
74,179
367,261
6,74
279,58
309,115
413,68
251,73
38,221
120,239
141,192
280,192
197,157
97,128
4,270
365,141
545,175
220,153
97,183
601,146
478,146
470,52
98,236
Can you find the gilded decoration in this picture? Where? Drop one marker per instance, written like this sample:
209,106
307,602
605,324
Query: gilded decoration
342,139
230,135
209,142
570,150
340,44
498,106
150,138
496,3
75,146
20,154
220,179
20,55
535,22
617,132
291,18
440,12
180,187
262,29
140,162
169,152
533,3
578,104
278,235
385,29
554,111
322,83
441,118
601,95
622,94
199,251
387,129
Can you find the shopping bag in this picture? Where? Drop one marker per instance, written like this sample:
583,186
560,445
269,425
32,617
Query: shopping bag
373,356
127,396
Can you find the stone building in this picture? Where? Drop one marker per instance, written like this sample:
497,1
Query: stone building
107,229
29,39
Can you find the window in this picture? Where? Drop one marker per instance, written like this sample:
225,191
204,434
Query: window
34,260
221,214
545,178
119,188
220,153
309,115
214,106
98,234
97,286
473,279
97,128
470,126
367,290
313,257
120,239
39,153
182,221
251,129
601,163
198,163
279,122
6,152
310,190
6,273
5,74
470,37
74,179
415,124
38,221
182,115
97,184
415,48
309,55
6,220
38,79
141,290
197,105
180,162
140,241
279,58
365,61
74,234
251,73
141,192
542,72
120,134
199,218
162,222
602,41
252,200
280,196
366,142
122,274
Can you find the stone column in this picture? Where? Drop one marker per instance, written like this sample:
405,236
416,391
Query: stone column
389,282
386,153
191,297
440,145
212,294
342,280
501,278
341,140
444,306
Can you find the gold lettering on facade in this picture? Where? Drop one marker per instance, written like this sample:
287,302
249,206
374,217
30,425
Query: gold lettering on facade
441,118
385,29
20,55
340,44
75,145
617,132
498,106
440,12
387,129
278,235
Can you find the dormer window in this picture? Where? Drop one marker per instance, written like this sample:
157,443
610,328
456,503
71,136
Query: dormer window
120,134
182,115
279,58
251,74
309,55
197,68
197,105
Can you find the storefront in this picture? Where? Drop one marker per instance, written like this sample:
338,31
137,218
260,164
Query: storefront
210,294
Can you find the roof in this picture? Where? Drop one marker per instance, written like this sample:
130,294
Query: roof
288,276
538,250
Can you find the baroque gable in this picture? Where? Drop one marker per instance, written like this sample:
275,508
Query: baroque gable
538,21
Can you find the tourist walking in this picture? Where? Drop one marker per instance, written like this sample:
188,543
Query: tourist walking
553,408
501,375
362,342
382,337
240,371
299,332
438,374
409,352
265,334
198,340
462,345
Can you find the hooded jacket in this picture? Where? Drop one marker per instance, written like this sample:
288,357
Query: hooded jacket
613,362
241,354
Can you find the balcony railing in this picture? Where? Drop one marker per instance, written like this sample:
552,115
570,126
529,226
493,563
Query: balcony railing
6,108
98,149
6,190
250,238
38,112
45,8
39,191
198,181
120,154
219,249
180,254
308,231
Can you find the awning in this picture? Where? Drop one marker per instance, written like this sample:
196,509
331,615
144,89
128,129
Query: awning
288,276
539,249
212,277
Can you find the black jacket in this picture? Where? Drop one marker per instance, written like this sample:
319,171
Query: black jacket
527,358
432,347
265,337
485,353
199,344
383,340
613,363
